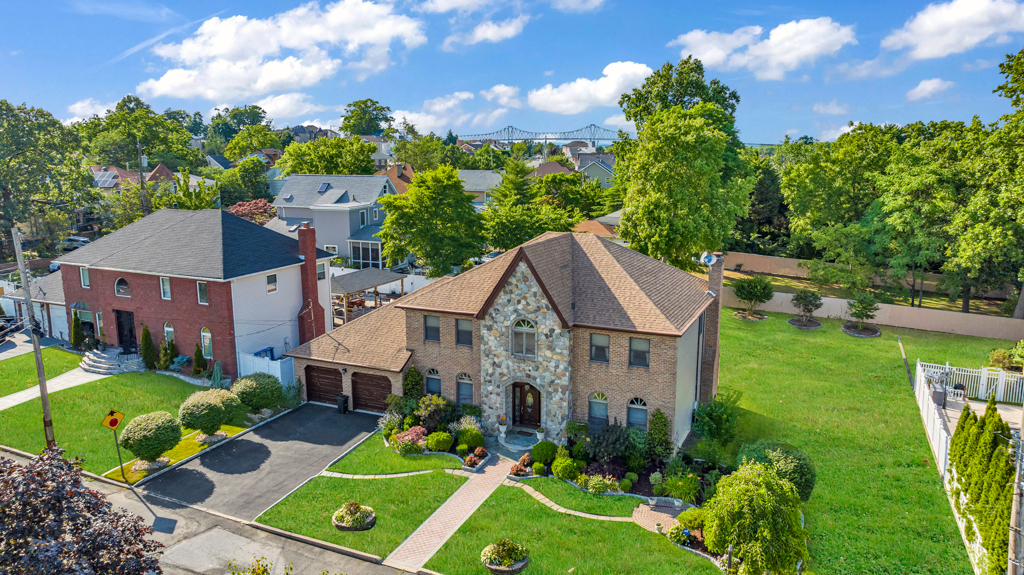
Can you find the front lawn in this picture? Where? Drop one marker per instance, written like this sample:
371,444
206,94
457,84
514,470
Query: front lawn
564,494
372,457
19,373
78,411
559,542
401,504
187,447
878,506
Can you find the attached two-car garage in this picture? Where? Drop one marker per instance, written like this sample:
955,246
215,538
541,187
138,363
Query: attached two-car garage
369,392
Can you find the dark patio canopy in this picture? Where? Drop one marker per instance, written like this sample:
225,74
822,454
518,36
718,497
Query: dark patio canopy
364,279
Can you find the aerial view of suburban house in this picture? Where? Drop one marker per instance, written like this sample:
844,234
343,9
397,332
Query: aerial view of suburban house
47,305
564,327
200,277
345,210
479,183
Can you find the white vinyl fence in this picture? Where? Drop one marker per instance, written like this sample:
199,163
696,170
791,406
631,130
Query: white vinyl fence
980,383
284,368
938,434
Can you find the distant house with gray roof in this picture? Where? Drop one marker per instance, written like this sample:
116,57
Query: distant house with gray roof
479,183
599,170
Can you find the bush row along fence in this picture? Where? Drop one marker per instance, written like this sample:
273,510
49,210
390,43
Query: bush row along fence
791,267
980,383
972,324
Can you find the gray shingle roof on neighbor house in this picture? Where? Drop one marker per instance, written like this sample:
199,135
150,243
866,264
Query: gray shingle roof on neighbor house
365,234
286,226
203,244
611,219
479,180
364,279
302,190
220,161
603,165
47,289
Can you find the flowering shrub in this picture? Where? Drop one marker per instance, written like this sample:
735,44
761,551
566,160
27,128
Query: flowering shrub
503,552
416,434
598,484
680,535
353,515
389,423
472,461
432,410
518,470
465,422
480,452
409,442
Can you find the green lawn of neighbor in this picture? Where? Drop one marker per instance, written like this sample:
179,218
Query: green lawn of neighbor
564,494
878,506
78,411
372,457
19,373
401,504
558,542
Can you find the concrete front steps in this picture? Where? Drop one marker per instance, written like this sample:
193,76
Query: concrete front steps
110,362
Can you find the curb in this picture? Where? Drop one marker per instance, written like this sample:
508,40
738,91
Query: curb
88,474
714,561
315,542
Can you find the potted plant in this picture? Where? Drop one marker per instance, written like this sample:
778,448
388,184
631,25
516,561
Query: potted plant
659,527
505,557
652,501
540,434
354,517
502,425
678,503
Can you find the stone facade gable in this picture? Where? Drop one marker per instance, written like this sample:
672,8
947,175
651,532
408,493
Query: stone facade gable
550,371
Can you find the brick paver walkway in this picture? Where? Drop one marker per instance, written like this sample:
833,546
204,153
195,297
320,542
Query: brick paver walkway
648,517
76,376
551,504
414,552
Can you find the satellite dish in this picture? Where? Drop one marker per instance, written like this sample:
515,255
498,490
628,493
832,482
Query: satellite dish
708,259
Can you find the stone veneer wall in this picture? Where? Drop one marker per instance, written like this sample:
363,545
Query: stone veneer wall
549,372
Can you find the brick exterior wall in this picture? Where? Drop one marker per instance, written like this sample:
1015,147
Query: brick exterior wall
346,384
618,381
712,326
311,319
183,310
447,357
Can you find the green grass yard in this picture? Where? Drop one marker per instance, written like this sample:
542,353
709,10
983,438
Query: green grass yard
564,494
19,373
78,411
559,542
878,506
372,457
401,504
187,447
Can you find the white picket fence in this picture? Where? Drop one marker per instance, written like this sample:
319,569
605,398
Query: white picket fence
980,383
283,368
938,434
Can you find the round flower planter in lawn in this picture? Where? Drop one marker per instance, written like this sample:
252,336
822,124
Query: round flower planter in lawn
512,569
753,317
371,520
802,324
850,328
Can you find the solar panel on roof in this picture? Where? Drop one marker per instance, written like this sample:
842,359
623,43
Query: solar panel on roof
323,187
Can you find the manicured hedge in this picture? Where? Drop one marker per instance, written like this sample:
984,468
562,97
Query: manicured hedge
258,390
149,436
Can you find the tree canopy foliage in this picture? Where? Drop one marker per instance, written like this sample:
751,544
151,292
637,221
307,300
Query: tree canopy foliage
249,139
328,156
366,118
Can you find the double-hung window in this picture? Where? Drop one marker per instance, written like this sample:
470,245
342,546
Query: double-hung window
639,352
433,381
362,218
165,288
84,274
321,271
524,338
464,332
204,298
599,347
431,328
272,283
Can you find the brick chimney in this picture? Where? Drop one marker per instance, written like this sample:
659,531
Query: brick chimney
712,325
311,318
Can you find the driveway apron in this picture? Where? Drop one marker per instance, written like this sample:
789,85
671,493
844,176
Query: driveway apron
250,473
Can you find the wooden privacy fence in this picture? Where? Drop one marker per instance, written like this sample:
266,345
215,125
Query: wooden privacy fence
939,435
980,383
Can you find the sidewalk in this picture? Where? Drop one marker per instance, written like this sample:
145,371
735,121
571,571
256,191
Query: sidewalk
21,343
415,551
73,378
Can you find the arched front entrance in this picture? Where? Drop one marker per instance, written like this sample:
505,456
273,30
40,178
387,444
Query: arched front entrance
525,405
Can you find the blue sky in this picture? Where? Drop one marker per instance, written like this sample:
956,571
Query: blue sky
478,65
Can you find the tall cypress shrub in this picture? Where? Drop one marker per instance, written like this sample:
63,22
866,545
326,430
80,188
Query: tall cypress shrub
198,361
77,333
150,357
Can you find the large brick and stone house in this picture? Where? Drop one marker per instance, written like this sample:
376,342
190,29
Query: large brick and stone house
201,277
568,326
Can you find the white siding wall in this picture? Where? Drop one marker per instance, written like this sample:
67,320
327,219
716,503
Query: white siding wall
686,381
324,288
264,320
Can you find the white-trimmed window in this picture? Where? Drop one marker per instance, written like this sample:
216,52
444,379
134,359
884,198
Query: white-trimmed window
599,344
165,288
366,255
321,271
524,338
330,249
465,388
639,352
168,331
207,338
636,413
121,288
433,382
362,218
272,283
597,409
84,274
201,293
375,214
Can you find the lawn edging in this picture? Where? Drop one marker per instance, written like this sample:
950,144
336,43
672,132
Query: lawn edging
477,469
711,558
315,542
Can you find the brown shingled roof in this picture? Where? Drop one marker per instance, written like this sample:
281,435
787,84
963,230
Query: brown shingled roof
402,182
375,340
589,281
595,227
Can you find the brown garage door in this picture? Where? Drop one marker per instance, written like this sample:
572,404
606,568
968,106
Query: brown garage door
323,384
369,392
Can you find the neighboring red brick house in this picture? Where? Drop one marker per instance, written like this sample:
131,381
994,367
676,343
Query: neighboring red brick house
201,277
568,326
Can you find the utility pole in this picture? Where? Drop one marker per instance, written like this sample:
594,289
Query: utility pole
1014,556
26,284
142,181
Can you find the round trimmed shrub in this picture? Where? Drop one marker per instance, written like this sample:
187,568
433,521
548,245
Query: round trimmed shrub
203,411
258,391
151,435
564,469
439,441
790,463
625,485
471,438
462,449
480,452
544,452
632,477
538,469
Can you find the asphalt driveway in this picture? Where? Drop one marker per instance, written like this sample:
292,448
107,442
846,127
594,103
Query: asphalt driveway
246,476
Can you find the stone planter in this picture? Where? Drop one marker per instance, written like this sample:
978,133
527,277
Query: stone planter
512,569
480,466
501,429
678,503
540,436
660,528
370,522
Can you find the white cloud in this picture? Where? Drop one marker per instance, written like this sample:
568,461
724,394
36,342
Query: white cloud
290,105
833,134
788,46
484,119
928,89
954,27
437,113
877,68
505,95
137,11
583,94
619,122
549,73
576,5
488,31
833,108
90,107
979,64
333,124
792,131
241,57
441,6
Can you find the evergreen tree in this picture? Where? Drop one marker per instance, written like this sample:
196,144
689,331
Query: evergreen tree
149,354
198,361
77,333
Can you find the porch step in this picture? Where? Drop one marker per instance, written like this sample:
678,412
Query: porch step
110,362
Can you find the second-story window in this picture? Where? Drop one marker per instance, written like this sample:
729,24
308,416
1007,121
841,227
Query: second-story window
84,274
321,271
272,283
362,218
599,347
204,298
464,332
524,338
375,214
165,288
121,288
639,352
431,328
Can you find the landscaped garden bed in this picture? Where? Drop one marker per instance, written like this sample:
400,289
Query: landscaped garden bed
19,373
570,497
374,457
187,447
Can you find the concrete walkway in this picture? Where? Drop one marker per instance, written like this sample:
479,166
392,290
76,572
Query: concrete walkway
415,551
73,378
21,343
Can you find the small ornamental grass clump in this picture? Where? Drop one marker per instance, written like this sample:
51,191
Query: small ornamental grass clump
149,436
465,422
258,390
353,515
503,552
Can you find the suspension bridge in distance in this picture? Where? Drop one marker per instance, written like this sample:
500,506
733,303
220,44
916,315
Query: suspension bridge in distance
592,133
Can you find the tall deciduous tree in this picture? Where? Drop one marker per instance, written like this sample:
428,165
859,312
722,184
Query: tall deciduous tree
510,224
328,156
571,192
681,85
435,220
677,204
250,139
226,122
114,138
422,152
366,118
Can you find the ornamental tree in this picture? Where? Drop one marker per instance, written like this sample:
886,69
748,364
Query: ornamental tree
328,156
863,308
753,291
808,302
51,523
257,211
759,514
